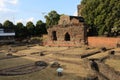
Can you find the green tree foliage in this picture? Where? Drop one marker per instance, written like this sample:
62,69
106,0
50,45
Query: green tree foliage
8,24
20,25
21,31
38,25
0,25
31,28
40,28
102,16
52,18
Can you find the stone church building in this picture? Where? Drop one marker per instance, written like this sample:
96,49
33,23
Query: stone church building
70,31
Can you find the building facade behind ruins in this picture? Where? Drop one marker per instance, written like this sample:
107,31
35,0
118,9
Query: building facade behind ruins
71,31
6,35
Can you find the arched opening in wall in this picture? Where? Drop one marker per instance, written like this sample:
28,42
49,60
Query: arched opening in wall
54,37
67,37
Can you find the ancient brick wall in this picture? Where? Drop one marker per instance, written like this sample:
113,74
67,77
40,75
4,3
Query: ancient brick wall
103,41
64,20
77,35
79,8
71,31
92,41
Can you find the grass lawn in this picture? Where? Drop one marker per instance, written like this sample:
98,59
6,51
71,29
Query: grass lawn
114,64
72,70
99,55
45,74
2,54
7,63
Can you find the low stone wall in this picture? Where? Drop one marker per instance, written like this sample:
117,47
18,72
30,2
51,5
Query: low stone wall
63,43
115,57
103,41
90,53
104,72
109,72
92,41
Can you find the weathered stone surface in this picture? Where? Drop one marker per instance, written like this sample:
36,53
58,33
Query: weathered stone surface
118,45
79,9
103,49
9,55
71,31
111,52
41,63
55,65
42,54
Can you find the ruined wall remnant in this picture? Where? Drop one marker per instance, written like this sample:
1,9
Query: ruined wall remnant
103,42
71,31
79,9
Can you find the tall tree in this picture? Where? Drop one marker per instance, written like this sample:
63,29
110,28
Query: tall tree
20,30
31,28
40,28
8,24
20,25
39,23
102,16
52,18
0,25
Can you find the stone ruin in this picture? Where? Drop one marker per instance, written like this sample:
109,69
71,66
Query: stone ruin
70,31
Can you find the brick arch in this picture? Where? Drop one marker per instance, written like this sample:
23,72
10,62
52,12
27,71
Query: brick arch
54,36
67,37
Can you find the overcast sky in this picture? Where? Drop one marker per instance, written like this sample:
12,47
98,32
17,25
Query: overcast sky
34,10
